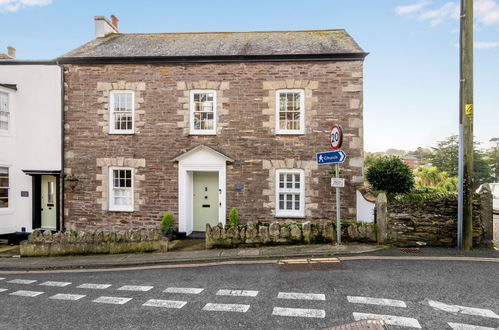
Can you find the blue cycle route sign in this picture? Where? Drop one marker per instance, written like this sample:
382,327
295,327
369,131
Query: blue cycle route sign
331,157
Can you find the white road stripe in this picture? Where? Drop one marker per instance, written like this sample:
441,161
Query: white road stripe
226,308
462,309
112,300
60,284
389,319
237,293
135,288
64,296
299,312
2,278
23,293
461,326
301,296
93,286
18,281
165,303
184,290
376,301
2,290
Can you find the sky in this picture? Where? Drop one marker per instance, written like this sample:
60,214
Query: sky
411,76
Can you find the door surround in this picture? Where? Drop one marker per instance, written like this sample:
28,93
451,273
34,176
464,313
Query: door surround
199,159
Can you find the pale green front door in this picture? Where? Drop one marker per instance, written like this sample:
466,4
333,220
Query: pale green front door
205,200
49,202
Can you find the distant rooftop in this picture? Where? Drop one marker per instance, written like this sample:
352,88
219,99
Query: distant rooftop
314,43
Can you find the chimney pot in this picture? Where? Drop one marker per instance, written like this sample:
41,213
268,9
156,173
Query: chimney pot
115,21
11,51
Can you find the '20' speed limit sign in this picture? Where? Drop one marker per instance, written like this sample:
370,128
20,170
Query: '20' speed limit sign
336,137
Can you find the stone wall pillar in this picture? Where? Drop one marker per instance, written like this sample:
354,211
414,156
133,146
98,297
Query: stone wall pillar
381,218
486,214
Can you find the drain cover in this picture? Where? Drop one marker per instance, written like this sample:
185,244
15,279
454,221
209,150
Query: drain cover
411,250
303,265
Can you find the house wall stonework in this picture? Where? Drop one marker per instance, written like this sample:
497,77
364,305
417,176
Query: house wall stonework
245,132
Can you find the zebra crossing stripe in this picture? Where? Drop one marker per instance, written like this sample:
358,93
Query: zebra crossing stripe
226,308
93,286
237,293
2,290
165,303
135,288
19,281
301,296
461,326
112,300
59,284
376,301
23,293
64,296
184,290
462,309
299,312
389,319
2,278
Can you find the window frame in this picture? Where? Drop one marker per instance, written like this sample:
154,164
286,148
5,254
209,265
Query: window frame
9,111
113,130
192,130
9,188
278,130
120,208
290,213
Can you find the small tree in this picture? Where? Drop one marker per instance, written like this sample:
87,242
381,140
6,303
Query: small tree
233,217
167,223
390,174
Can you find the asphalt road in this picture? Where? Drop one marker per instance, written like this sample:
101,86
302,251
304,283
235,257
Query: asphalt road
322,300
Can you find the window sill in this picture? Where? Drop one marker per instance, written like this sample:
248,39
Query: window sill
121,133
294,216
121,211
202,133
290,133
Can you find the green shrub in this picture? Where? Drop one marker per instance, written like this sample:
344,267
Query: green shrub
390,174
233,217
167,223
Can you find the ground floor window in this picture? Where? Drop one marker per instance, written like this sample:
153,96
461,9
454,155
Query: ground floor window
290,193
121,189
4,187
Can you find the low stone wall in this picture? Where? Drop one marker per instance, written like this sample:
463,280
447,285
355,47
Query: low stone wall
256,234
74,243
428,219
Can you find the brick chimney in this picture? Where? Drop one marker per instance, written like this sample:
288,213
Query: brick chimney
11,52
103,27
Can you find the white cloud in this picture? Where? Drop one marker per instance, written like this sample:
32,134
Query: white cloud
486,44
404,10
8,6
486,12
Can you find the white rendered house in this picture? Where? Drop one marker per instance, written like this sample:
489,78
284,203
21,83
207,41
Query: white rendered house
30,146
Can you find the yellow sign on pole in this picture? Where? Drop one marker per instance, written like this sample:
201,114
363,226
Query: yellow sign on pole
469,109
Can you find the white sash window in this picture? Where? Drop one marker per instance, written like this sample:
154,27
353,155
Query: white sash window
4,187
121,108
4,112
290,193
121,189
203,112
290,111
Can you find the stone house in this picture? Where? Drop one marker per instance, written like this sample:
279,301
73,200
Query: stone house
198,123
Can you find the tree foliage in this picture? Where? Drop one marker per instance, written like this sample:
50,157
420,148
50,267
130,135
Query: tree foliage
390,174
434,180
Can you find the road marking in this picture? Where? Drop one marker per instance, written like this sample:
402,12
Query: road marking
2,290
299,312
226,308
301,296
376,301
93,286
18,281
389,319
2,278
23,293
237,293
165,303
64,296
135,288
112,300
184,290
462,309
461,326
60,284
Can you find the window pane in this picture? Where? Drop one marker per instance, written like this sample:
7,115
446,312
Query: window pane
297,202
297,181
289,202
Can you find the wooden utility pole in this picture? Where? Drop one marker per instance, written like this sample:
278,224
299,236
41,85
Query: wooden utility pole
466,121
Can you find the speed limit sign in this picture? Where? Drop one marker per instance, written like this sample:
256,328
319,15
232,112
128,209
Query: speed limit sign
336,137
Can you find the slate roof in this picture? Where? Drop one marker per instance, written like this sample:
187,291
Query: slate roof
219,44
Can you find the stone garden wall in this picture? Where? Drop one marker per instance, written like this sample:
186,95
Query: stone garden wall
73,243
256,234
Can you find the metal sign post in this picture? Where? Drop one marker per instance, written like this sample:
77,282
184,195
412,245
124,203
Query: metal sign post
338,210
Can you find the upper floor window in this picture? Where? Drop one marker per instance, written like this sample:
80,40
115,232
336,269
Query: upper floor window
290,111
121,107
121,189
203,112
4,187
290,193
4,111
